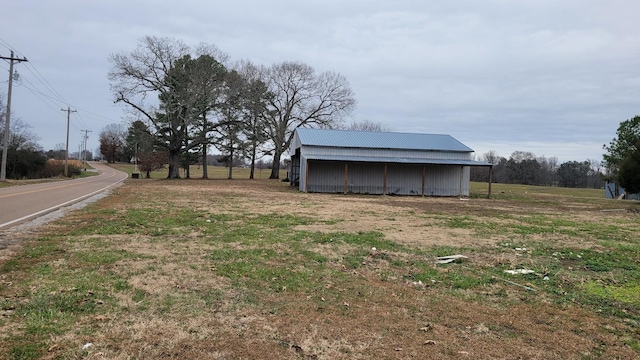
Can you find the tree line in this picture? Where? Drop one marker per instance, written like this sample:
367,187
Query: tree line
26,159
528,169
185,100
621,165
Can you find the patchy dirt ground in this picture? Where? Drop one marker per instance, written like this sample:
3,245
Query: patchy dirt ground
177,306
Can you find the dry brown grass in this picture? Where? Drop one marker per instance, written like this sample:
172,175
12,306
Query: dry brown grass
70,162
177,305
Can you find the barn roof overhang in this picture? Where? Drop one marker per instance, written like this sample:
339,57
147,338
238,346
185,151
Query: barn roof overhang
397,160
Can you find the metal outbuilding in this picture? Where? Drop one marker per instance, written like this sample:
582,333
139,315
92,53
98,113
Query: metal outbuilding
614,191
388,163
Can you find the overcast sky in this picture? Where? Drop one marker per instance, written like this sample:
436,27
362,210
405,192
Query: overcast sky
551,77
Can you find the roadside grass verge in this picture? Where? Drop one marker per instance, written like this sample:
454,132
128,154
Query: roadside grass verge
238,269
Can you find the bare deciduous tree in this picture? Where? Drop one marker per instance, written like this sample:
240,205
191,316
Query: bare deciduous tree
367,125
144,72
21,135
303,99
491,157
164,67
548,170
519,156
112,142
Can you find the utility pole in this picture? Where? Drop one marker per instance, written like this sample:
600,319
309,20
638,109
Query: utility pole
3,169
84,148
66,152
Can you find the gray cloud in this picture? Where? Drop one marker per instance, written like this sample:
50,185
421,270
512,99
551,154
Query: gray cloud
554,78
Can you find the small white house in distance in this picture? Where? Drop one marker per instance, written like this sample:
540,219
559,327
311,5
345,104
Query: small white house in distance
388,163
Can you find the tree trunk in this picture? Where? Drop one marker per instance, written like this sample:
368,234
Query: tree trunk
205,173
275,167
174,165
230,162
253,161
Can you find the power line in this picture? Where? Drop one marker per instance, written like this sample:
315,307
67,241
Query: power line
97,116
52,98
40,96
37,75
49,96
46,84
80,120
9,47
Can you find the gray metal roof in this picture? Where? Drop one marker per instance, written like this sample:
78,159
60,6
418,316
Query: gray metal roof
379,140
397,160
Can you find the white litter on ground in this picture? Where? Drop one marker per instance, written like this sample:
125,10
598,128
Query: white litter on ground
519,271
449,259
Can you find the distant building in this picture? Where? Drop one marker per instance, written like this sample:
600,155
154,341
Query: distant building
388,163
613,191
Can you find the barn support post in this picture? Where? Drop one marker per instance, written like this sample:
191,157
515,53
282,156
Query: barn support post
346,178
384,181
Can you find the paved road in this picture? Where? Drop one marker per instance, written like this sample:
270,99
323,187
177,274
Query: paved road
21,203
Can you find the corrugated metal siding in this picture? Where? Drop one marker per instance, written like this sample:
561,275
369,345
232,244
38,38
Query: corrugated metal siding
442,181
388,153
295,143
610,190
328,177
404,179
325,176
303,173
611,193
445,181
466,181
365,178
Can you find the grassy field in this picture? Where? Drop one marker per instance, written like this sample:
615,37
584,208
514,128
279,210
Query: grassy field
242,269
